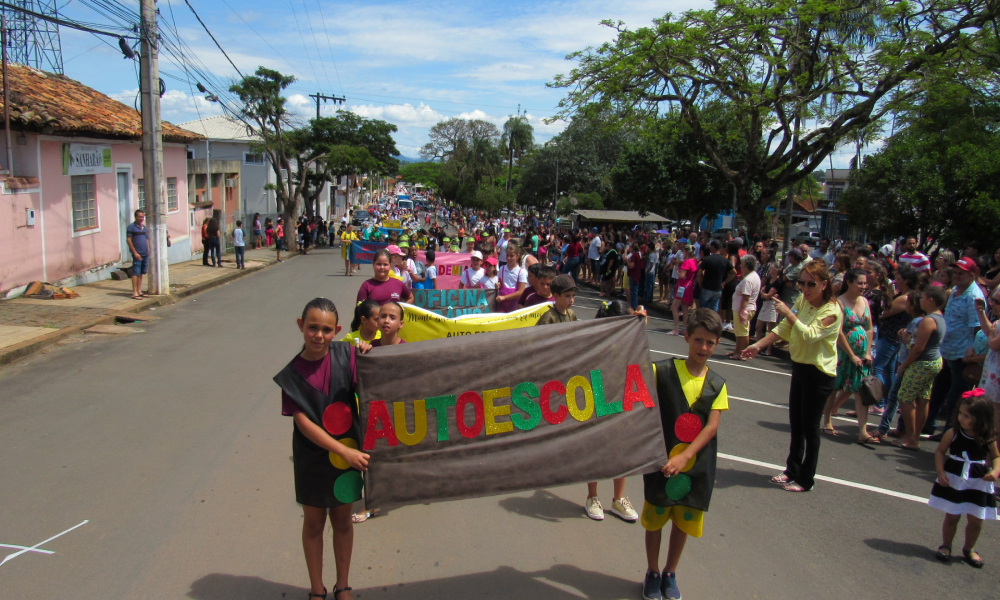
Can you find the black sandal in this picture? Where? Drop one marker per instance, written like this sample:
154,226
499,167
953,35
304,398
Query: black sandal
343,589
943,556
974,562
323,595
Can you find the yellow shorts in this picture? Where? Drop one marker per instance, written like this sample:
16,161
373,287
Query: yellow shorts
741,329
689,520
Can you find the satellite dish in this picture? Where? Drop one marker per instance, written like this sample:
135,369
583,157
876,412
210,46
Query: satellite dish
573,200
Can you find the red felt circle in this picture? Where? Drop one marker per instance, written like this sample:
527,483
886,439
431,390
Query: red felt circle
687,427
337,418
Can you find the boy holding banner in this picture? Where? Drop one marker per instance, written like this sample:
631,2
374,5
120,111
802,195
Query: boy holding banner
692,399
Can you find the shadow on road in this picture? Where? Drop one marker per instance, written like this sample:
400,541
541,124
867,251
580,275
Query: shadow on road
901,549
561,582
545,506
729,478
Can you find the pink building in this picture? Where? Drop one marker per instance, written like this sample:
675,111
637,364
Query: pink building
75,181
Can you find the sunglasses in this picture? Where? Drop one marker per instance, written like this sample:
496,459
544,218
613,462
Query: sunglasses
811,284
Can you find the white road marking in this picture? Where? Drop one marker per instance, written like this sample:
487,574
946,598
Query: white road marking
729,363
16,554
782,406
844,482
38,550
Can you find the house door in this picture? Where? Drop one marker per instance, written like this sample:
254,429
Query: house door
124,211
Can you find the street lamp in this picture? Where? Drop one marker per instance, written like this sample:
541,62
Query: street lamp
705,164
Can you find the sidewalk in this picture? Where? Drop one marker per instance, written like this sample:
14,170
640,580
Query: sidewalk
28,325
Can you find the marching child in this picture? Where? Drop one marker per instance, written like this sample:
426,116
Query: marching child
543,285
967,465
390,321
620,505
430,272
365,324
317,391
512,279
564,295
692,399
490,280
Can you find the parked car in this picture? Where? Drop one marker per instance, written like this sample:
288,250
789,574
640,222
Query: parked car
359,217
807,237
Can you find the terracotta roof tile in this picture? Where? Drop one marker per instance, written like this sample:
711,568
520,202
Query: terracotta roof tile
40,100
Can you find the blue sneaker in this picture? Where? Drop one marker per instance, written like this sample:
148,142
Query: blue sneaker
670,589
651,587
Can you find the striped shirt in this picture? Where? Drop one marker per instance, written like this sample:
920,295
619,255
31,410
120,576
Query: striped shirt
918,261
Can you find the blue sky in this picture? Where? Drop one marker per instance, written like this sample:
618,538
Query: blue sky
410,63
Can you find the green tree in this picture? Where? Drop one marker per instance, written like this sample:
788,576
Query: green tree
778,63
427,173
938,178
584,201
517,139
447,136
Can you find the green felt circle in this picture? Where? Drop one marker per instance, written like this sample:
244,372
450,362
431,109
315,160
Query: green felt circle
347,488
688,516
678,486
660,510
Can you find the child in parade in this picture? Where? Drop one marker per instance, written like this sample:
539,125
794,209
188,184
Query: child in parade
692,399
390,321
564,295
365,324
491,280
512,279
382,288
532,282
472,277
621,507
317,391
543,285
430,271
968,464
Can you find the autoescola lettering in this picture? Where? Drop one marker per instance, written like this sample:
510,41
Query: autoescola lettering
579,398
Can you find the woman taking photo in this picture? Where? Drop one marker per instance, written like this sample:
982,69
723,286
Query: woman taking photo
855,354
811,328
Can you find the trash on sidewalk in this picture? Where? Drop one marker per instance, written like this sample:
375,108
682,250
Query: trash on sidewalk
43,290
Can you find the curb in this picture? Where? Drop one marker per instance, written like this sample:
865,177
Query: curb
18,351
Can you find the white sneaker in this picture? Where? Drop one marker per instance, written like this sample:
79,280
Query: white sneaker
622,508
727,327
594,509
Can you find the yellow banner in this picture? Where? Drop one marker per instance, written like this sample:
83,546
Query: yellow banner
421,324
392,224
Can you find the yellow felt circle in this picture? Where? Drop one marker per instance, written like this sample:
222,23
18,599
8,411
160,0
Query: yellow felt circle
681,448
339,462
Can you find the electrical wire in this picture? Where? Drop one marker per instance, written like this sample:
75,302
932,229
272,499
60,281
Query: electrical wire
195,13
262,38
319,58
302,37
330,46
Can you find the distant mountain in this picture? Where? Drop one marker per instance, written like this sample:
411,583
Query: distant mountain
406,159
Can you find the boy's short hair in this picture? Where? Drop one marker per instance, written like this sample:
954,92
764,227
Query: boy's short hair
707,319
535,268
545,272
239,223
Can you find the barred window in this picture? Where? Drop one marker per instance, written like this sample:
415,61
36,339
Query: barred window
142,196
251,158
171,193
84,202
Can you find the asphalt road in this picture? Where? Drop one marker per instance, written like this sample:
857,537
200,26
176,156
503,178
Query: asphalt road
170,444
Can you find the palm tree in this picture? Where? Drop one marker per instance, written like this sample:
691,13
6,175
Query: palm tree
518,137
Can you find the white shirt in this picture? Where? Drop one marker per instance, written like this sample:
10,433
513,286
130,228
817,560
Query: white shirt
472,279
677,259
511,277
502,250
594,252
238,237
490,283
431,273
651,262
750,286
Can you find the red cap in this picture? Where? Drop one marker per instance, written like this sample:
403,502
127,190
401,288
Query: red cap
492,260
966,264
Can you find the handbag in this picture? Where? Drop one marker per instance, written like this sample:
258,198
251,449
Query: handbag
871,390
972,372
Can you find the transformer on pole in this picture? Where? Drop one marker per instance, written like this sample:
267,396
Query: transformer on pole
33,41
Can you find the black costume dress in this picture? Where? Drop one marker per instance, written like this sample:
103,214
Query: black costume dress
324,479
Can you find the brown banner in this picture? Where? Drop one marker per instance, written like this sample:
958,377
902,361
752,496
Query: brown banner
508,411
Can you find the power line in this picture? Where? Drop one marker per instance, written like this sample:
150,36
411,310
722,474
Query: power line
262,38
329,45
319,58
218,45
301,36
65,23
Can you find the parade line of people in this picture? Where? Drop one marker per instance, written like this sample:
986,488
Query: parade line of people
915,323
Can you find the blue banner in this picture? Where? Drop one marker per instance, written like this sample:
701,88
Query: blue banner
455,303
363,252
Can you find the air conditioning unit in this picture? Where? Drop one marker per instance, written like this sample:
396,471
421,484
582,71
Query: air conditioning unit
231,182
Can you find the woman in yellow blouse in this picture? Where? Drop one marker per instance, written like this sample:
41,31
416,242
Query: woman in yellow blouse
345,249
811,328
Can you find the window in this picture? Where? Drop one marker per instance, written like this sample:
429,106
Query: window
171,194
249,158
142,196
84,202
835,193
190,154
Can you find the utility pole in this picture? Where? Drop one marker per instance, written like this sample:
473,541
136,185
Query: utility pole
6,97
510,165
152,152
317,96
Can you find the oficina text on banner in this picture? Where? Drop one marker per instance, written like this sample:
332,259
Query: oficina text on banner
508,411
455,303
